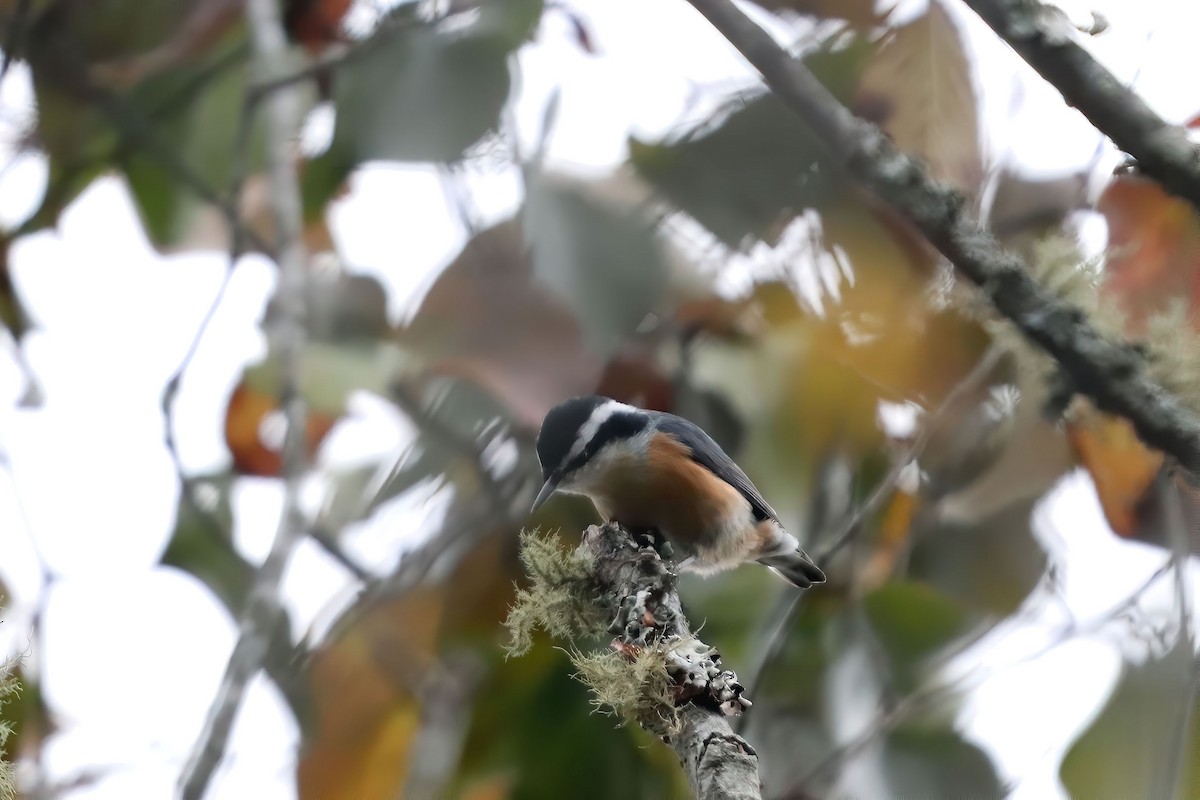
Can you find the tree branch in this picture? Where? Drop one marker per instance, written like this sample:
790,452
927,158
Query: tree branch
1113,375
1042,36
630,584
263,614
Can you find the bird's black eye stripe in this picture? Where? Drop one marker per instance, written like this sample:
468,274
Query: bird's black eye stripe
621,425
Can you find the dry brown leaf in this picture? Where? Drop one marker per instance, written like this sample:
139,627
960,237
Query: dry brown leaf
1122,468
917,87
486,319
248,408
1154,249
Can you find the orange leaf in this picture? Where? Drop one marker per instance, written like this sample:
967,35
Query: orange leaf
364,707
1154,244
366,678
895,525
315,23
244,416
1122,468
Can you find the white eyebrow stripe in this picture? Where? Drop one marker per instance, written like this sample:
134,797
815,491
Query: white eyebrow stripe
589,429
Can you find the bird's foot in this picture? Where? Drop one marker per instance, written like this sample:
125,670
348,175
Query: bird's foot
650,537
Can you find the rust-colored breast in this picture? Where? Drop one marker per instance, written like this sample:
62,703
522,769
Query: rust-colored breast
673,493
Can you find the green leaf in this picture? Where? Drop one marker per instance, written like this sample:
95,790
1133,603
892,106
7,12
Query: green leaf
990,566
535,722
913,622
1136,746
604,262
198,114
202,545
426,93
760,166
938,763
117,83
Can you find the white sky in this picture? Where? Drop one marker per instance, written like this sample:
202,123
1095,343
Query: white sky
131,652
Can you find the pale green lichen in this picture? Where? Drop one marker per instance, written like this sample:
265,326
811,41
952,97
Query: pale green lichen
1174,346
562,599
637,690
1171,342
9,687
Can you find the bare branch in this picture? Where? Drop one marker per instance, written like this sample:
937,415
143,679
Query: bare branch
446,701
263,613
1043,36
1113,375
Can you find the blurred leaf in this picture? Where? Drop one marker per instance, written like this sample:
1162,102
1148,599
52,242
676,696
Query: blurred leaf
367,677
1122,468
488,321
1136,746
536,719
746,176
637,376
938,763
29,717
347,500
204,134
988,566
315,23
424,92
341,308
823,377
116,83
913,622
245,415
363,685
605,262
1032,455
12,312
918,88
1154,249
202,542
890,543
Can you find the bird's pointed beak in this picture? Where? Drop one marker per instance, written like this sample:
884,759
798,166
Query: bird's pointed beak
547,489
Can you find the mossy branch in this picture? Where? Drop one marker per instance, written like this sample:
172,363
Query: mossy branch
9,688
656,672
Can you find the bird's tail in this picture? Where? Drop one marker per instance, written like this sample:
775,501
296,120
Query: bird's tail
795,567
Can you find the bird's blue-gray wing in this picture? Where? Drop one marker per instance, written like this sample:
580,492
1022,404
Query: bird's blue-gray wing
709,454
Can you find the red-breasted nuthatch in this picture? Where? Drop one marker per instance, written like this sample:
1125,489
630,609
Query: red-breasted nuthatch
647,469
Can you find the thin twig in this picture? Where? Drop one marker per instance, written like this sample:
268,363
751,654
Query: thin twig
1179,539
887,486
933,694
446,700
327,541
1044,37
262,615
1112,374
884,490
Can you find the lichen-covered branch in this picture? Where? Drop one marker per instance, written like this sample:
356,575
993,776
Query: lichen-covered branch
657,672
1113,374
1044,37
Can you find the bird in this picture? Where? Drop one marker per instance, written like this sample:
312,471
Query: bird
654,470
